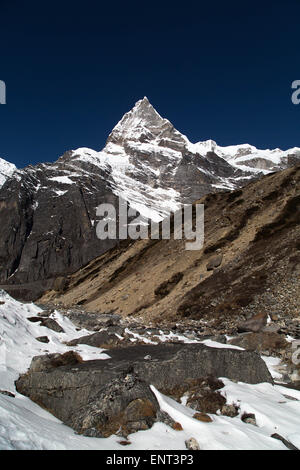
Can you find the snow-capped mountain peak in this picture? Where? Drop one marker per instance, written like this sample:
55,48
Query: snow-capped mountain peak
6,170
246,156
144,124
151,164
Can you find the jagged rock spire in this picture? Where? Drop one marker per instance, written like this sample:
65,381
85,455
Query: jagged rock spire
142,122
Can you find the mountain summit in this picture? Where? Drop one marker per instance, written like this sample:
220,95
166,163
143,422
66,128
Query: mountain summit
144,124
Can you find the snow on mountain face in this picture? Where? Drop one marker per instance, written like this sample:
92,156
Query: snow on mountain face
50,209
6,171
144,124
155,167
249,158
141,151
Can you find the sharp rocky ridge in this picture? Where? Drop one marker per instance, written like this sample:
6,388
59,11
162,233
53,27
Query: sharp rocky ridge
50,208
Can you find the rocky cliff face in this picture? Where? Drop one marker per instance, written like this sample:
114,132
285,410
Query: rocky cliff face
50,209
49,213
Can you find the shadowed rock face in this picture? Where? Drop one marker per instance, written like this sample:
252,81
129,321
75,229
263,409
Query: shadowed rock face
48,228
74,391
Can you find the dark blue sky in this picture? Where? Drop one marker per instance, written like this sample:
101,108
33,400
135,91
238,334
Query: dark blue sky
220,70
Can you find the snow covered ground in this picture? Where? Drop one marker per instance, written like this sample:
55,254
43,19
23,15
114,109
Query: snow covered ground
24,425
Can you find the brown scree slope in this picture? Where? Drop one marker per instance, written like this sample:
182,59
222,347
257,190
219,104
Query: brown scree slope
253,231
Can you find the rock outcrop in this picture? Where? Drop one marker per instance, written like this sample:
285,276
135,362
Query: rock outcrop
104,395
273,343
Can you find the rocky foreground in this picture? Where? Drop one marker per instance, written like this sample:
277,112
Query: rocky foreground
151,346
100,398
115,383
121,393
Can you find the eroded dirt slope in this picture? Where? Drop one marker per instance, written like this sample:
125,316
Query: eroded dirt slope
251,233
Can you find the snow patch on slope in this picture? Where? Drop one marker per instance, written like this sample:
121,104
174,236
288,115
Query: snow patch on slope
7,169
275,414
153,203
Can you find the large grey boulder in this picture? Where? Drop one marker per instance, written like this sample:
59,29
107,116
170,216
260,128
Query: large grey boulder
76,391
